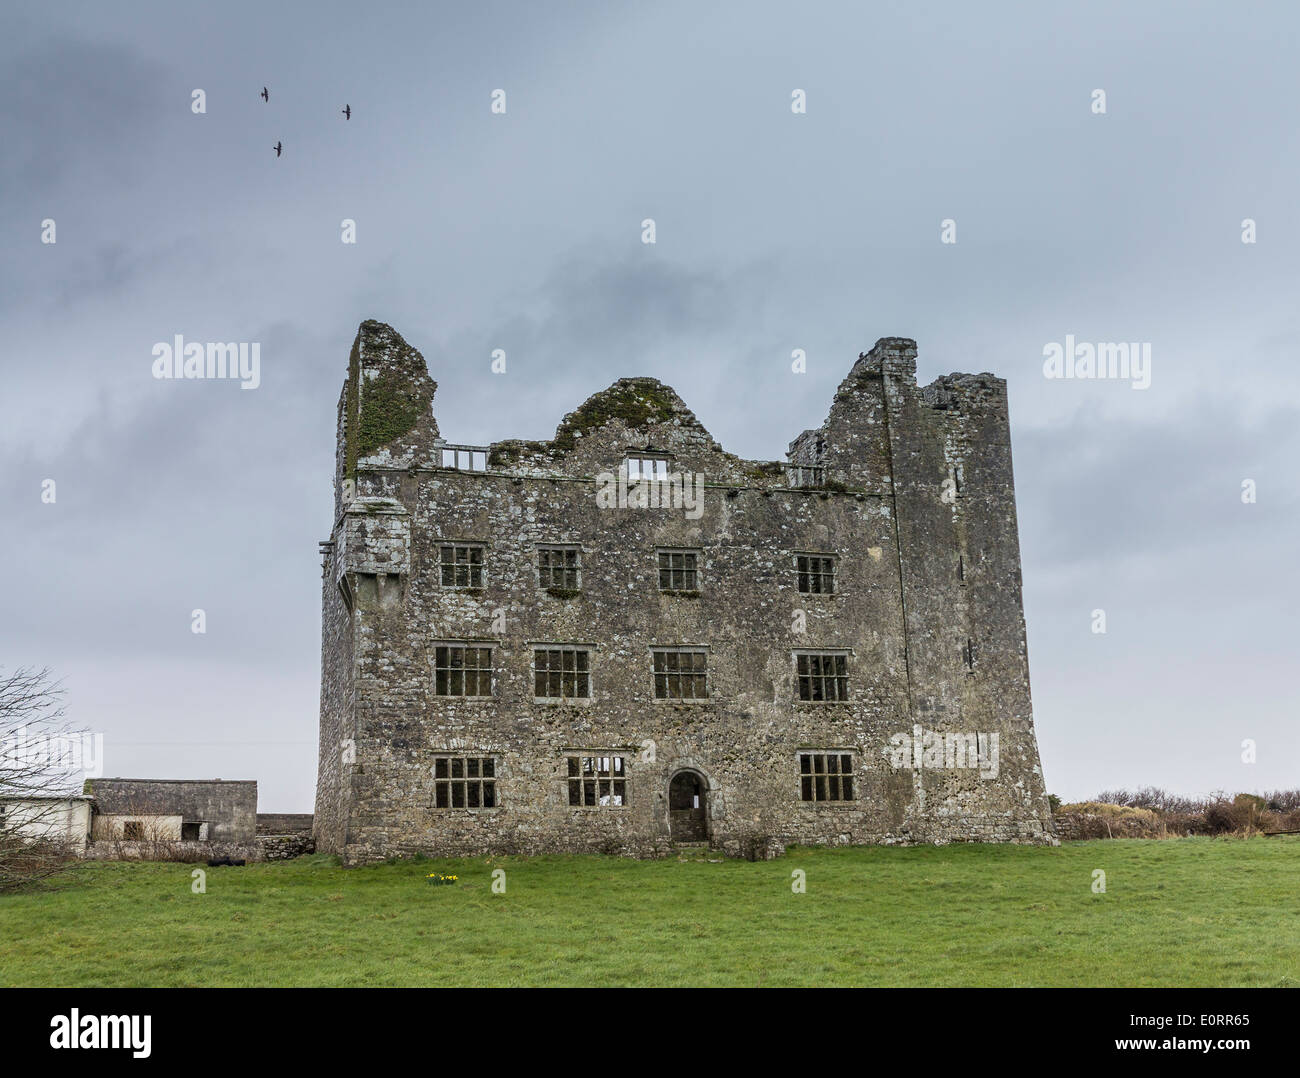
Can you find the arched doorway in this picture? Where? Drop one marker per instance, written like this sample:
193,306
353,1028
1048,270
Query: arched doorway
688,808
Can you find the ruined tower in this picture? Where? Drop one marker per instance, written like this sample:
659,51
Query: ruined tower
626,638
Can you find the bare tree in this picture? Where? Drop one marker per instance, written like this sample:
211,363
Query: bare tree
39,758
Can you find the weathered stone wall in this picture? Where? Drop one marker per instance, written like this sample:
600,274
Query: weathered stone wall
283,823
189,852
338,667
959,553
337,712
284,847
283,835
262,848
902,606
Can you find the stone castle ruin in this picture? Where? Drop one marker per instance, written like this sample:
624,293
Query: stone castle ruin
626,639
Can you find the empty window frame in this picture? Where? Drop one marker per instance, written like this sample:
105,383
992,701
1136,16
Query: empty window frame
465,782
133,830
679,570
826,776
464,458
639,467
461,565
822,676
597,782
559,567
681,673
462,670
803,475
561,673
816,573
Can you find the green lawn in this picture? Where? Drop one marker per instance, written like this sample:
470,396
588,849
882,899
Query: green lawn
1187,912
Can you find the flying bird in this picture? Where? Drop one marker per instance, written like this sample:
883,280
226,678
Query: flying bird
278,147
264,95
347,112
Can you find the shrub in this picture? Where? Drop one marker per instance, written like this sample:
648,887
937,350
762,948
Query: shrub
1217,814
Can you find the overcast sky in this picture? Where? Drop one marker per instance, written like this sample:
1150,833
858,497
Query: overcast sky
775,231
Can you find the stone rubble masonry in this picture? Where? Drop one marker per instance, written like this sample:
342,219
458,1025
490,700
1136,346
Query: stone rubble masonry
917,501
262,848
187,851
284,835
283,823
284,847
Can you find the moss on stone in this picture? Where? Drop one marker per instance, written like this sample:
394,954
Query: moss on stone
637,403
386,407
390,407
510,450
350,411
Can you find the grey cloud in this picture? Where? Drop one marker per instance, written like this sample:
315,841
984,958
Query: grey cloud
521,232
1102,489
70,101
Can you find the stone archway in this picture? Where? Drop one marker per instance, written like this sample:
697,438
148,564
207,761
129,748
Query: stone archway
688,807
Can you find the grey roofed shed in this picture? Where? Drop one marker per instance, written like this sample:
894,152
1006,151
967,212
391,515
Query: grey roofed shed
228,807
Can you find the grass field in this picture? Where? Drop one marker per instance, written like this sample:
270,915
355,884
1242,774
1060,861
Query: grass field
1186,912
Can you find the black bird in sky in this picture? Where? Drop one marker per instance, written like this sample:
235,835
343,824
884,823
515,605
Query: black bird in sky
264,95
278,148
347,112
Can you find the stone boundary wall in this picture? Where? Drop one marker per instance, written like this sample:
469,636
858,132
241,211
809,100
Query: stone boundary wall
189,852
286,847
283,823
264,848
